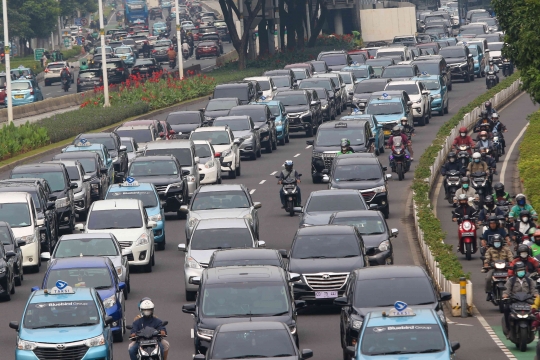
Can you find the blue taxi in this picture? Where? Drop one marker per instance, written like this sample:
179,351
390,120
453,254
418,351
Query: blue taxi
438,92
158,28
147,193
376,128
101,150
63,320
389,110
282,121
362,72
25,92
403,333
92,272
125,53
479,59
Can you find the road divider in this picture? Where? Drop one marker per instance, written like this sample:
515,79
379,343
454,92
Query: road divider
439,257
227,58
529,160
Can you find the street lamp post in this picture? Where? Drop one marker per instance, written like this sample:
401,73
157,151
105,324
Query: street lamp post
179,42
7,59
103,57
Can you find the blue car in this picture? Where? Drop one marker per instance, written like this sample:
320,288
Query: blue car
376,129
148,194
479,60
166,5
403,333
158,28
389,110
25,92
362,72
125,53
101,150
282,121
63,320
438,92
92,272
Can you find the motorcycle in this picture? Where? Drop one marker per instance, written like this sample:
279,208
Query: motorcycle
491,79
497,147
520,237
148,340
498,279
479,182
399,160
65,84
172,64
463,155
185,54
290,189
466,235
452,184
508,68
520,320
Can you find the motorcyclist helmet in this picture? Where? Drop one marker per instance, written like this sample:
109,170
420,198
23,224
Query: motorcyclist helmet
537,237
489,203
521,200
463,199
463,131
487,104
477,157
524,216
288,165
404,121
499,189
451,156
483,135
147,308
483,152
345,143
497,241
494,116
493,222
490,63
465,182
520,269
396,130
484,114
523,251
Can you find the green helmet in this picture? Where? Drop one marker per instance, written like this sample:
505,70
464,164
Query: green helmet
345,142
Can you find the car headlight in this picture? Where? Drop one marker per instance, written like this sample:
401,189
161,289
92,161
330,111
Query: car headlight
209,164
25,345
110,301
495,138
95,341
325,107
226,153
248,216
28,239
192,263
175,185
317,155
356,324
63,202
418,101
384,245
379,189
2,270
119,271
247,137
155,217
303,114
205,333
436,96
142,240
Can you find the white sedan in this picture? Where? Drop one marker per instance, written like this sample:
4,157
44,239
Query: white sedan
209,165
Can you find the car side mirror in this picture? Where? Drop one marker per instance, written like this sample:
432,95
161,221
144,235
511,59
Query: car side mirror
14,325
184,209
123,148
388,176
325,179
256,128
109,320
425,92
261,244
199,357
45,256
351,351
259,93
189,308
310,142
298,209
151,225
409,103
21,243
306,354
299,304
121,285
445,296
79,227
10,254
237,141
40,222
104,170
197,159
283,253
126,252
182,247
195,280
294,277
87,178
34,288
185,172
373,206
470,56
351,93
73,186
454,345
257,205
52,197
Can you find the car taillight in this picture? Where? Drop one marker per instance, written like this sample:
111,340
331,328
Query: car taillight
100,79
120,69
32,92
154,51
217,154
47,70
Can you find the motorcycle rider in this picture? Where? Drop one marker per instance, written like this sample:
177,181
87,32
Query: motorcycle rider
497,251
409,131
535,246
518,283
477,165
345,147
451,164
491,67
493,229
523,255
524,224
146,307
397,131
172,55
490,209
484,140
521,205
65,76
463,139
464,209
484,120
146,49
289,173
489,108
465,189
498,129
185,47
500,194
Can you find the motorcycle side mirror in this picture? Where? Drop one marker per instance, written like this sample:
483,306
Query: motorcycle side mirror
278,176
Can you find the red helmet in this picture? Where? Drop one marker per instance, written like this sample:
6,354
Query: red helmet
463,129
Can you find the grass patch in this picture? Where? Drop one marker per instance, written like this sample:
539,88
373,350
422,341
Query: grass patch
529,160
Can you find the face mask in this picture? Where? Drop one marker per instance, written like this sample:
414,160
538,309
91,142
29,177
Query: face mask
524,255
465,186
463,134
497,244
476,160
521,273
147,312
452,159
483,138
525,219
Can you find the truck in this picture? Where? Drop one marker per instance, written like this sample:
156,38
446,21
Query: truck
135,12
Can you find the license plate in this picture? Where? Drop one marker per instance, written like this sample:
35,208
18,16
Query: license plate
500,274
19,96
326,294
387,132
123,57
147,342
468,234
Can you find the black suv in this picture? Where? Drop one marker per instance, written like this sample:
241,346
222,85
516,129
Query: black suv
45,208
165,172
263,119
89,79
184,122
365,173
336,60
321,204
324,256
410,284
363,90
218,107
60,185
400,72
328,105
117,70
263,290
114,146
7,273
282,72
460,60
245,91
329,85
11,244
434,65
303,111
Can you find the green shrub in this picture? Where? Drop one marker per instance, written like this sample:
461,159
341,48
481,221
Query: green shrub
529,161
431,226
19,139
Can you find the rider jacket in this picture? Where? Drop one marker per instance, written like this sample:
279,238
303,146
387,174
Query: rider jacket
404,140
499,127
516,210
462,211
64,74
288,175
171,54
470,192
515,285
505,197
490,232
504,253
452,166
467,140
485,213
488,143
144,321
479,166
482,122
531,264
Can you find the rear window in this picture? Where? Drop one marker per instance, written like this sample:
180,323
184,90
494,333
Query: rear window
228,92
184,118
89,74
334,59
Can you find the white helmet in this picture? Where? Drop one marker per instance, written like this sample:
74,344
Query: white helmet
476,155
147,308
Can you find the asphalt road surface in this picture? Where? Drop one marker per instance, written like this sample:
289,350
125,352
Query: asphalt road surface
318,327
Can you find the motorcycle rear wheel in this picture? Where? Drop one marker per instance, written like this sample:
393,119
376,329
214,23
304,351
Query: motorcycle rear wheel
468,251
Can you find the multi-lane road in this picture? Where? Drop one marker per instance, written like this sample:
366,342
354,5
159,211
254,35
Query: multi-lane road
318,327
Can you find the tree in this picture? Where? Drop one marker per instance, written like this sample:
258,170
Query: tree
240,43
518,19
316,20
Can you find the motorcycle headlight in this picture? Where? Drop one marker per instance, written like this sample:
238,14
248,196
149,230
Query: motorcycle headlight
142,240
226,153
205,333
467,226
28,239
356,324
384,245
110,301
63,202
155,217
25,345
522,316
500,265
192,263
95,341
495,138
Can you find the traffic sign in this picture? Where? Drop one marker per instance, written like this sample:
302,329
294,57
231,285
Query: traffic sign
77,21
67,42
38,54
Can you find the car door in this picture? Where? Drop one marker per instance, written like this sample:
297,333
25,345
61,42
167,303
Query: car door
235,149
379,135
85,184
254,214
315,97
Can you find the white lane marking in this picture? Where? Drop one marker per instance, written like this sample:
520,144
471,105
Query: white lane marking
509,153
192,334
309,146
262,182
297,155
252,191
274,173
492,335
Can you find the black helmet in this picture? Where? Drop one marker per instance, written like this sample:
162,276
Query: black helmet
523,251
489,202
525,214
493,220
496,241
465,180
487,104
519,265
484,114
499,188
450,155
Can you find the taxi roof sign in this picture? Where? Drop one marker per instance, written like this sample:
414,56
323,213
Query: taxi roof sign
340,125
424,73
385,96
130,181
83,142
400,309
61,287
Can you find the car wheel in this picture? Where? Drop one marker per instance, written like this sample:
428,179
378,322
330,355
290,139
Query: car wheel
160,246
274,143
12,291
386,212
259,153
422,121
446,108
19,278
148,267
467,78
309,131
153,259
282,141
426,118
191,295
473,77
232,174
197,57
118,336
287,139
269,146
7,296
238,169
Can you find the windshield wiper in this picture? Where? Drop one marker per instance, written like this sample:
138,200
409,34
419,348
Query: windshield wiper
350,256
282,355
247,356
102,287
372,233
390,353
315,257
281,313
427,351
426,303
62,325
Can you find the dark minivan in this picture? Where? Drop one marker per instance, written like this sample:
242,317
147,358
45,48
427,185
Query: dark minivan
244,91
89,79
184,122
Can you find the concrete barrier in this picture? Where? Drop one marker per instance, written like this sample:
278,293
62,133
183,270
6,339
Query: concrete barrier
227,58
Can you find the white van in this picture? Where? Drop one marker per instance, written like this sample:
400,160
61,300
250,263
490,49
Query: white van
392,51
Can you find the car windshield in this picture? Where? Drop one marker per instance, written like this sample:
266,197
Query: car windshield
368,87
162,44
476,30
61,314
108,142
394,71
97,278
311,83
326,246
20,85
358,172
495,46
275,110
264,84
128,144
17,215
359,73
253,344
452,53
182,118
319,66
213,137
54,178
148,198
358,58
288,99
203,151
282,81
420,338
73,173
428,67
333,136
347,78
379,62
220,200
228,91
385,292
386,108
366,225
208,239
336,202
411,89
114,219
122,50
234,124
321,93
85,247
214,105
257,113
300,74
334,59
154,168
431,84
89,74
245,299
60,66
246,262
140,135
389,54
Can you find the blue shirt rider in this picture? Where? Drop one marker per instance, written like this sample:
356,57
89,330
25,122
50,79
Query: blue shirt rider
147,320
289,173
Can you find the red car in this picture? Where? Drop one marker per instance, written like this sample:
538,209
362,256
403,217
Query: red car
207,49
356,55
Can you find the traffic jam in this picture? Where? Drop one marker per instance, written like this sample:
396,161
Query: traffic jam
87,226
